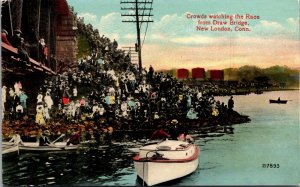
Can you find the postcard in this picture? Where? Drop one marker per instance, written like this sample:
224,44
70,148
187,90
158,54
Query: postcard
150,92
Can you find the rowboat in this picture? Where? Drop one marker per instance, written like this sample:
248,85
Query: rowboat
9,148
58,146
278,101
165,161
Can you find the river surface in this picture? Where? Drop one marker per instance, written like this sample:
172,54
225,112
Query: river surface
272,137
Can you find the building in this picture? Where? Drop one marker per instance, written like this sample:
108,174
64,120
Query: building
198,73
182,73
52,20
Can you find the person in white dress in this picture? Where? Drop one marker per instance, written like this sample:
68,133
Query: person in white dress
75,92
39,98
101,110
94,109
48,100
46,112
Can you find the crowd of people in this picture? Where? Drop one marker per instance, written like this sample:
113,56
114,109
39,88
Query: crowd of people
106,92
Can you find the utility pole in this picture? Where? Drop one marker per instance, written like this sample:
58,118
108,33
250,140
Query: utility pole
138,6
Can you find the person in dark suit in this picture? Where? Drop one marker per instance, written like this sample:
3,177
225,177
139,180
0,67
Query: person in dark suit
44,140
18,42
230,104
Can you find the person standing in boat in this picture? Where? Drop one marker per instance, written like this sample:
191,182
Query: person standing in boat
174,129
44,140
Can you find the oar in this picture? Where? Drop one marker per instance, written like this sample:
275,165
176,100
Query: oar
62,135
52,145
7,143
7,146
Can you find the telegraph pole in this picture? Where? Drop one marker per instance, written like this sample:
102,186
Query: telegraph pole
138,6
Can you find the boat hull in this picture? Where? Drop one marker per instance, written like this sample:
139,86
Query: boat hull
9,149
278,102
153,173
34,147
155,164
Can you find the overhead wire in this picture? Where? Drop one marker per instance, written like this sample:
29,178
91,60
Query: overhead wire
147,23
142,19
142,14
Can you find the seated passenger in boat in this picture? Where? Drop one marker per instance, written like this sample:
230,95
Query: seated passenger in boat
16,139
176,129
159,134
44,140
185,137
90,135
75,138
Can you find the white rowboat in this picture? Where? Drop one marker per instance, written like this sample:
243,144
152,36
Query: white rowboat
9,148
166,161
58,146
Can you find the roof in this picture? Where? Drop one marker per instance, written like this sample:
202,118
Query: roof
62,7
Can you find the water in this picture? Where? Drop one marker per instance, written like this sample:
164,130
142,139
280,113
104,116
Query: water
272,137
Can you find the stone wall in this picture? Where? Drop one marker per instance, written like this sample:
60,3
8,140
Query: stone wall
66,42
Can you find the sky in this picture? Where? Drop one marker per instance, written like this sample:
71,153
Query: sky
172,40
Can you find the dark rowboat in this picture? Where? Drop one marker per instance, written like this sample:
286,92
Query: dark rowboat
278,101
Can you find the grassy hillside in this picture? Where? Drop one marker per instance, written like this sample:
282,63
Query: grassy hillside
83,46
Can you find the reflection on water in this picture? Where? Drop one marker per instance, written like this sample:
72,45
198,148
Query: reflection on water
272,136
85,166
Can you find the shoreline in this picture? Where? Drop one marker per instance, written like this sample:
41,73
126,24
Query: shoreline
128,129
247,91
122,131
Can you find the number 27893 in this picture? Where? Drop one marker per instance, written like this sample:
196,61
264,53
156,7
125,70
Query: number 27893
270,165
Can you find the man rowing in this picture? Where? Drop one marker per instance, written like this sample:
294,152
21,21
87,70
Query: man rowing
16,139
75,138
44,140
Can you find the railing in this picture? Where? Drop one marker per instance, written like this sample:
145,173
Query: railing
36,65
